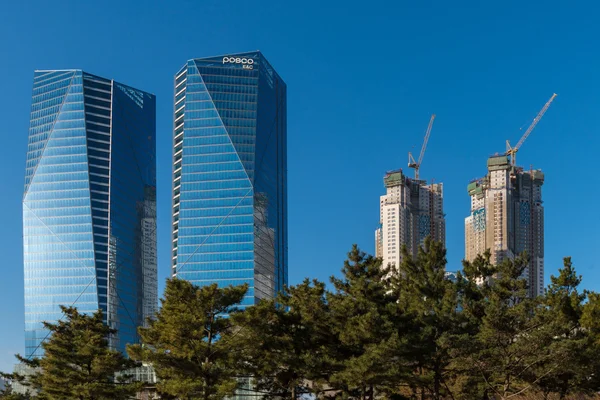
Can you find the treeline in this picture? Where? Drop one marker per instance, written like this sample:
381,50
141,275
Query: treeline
377,334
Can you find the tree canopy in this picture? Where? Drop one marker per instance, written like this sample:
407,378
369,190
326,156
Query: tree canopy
375,332
78,362
190,342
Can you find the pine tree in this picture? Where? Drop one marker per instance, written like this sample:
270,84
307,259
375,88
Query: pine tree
589,374
285,341
189,343
78,362
431,302
473,287
363,312
7,392
564,367
509,340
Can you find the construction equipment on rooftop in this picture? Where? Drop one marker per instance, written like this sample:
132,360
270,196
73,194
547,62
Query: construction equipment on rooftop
512,151
417,164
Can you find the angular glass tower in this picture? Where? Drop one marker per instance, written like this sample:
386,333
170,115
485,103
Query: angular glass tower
230,174
89,204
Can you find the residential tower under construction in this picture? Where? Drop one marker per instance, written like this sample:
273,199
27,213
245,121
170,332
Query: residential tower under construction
507,217
410,211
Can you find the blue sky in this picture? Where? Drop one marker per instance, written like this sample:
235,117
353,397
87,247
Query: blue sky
363,79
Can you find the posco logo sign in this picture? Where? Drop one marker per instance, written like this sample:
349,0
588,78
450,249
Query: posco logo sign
246,62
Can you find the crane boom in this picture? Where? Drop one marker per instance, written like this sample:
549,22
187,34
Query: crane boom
417,164
426,139
512,151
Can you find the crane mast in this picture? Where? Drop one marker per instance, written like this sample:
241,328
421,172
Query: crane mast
512,151
417,164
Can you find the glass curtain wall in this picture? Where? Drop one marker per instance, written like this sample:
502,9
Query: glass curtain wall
230,174
86,217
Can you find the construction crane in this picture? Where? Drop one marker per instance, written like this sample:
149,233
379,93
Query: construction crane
512,151
417,164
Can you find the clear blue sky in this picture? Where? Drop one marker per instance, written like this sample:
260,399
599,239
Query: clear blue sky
363,79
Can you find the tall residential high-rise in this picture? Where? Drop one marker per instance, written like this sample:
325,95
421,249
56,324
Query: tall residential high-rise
230,174
89,204
507,217
410,211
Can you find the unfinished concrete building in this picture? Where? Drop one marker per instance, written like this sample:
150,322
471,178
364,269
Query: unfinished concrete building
507,217
410,211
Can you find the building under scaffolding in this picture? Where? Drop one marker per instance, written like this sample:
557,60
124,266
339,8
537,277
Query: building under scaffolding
507,217
410,211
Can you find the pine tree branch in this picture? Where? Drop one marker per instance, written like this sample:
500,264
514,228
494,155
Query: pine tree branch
533,383
486,380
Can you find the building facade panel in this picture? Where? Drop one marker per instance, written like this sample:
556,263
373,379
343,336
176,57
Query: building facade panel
507,218
74,216
410,211
230,174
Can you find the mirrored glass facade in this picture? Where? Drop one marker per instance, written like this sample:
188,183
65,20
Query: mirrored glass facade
230,174
89,204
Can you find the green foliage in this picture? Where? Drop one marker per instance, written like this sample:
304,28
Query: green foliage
286,341
412,334
6,395
363,318
190,343
509,340
522,345
78,363
473,289
429,305
567,348
405,333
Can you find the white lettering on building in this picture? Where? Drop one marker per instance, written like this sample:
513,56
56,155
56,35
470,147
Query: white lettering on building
245,62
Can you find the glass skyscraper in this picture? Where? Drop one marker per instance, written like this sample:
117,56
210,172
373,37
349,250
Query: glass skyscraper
89,204
230,174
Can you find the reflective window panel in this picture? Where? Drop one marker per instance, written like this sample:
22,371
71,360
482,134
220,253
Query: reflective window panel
230,174
89,204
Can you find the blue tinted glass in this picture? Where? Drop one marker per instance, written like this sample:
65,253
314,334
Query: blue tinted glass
230,197
89,204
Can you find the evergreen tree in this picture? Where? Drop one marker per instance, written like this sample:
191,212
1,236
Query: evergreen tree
590,318
473,286
190,344
431,302
285,341
568,353
6,393
363,314
589,374
508,342
78,363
